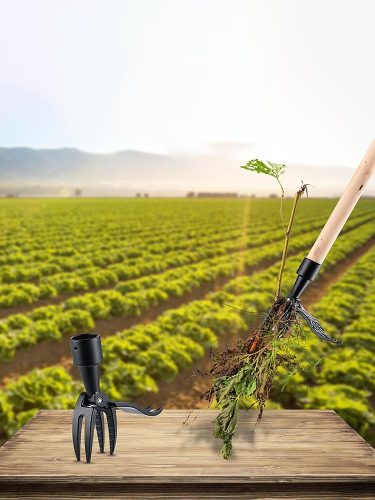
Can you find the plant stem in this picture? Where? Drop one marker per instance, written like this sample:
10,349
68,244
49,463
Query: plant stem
281,187
281,203
297,196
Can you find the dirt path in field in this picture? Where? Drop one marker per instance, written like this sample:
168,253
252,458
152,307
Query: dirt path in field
185,389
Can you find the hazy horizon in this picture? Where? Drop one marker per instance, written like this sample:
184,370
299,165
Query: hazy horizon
127,172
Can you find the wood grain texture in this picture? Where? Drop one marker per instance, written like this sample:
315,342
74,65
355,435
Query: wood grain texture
293,453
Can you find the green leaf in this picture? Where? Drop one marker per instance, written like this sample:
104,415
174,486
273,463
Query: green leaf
251,388
265,167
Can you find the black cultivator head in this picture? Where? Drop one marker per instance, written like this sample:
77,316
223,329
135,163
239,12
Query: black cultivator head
93,404
312,322
307,272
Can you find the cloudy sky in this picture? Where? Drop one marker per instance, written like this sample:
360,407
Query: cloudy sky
292,80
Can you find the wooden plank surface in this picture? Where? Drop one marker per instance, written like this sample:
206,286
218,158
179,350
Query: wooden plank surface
291,451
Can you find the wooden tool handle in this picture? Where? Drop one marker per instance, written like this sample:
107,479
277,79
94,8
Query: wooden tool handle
344,207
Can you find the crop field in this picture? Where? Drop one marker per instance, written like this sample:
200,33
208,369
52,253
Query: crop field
166,280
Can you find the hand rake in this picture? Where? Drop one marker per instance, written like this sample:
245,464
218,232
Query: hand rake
93,404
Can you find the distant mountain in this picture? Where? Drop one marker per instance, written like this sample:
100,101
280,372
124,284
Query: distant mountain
70,165
28,170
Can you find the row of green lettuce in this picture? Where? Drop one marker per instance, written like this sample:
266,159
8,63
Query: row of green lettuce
132,298
67,229
72,250
136,359
70,227
104,267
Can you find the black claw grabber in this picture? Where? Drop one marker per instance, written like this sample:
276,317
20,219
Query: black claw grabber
93,404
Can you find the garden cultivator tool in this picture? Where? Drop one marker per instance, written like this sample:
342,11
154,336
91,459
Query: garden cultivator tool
94,404
310,266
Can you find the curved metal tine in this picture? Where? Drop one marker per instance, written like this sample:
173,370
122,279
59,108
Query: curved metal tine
134,408
76,433
112,428
314,325
99,421
90,418
78,415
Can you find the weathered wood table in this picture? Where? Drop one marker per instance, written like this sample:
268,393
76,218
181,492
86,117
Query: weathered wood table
292,454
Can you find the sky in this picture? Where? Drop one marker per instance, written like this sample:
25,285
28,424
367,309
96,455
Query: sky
291,80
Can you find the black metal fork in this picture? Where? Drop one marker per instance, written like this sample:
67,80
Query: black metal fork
93,406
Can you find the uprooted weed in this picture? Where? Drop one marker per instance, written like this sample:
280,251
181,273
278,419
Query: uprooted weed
249,367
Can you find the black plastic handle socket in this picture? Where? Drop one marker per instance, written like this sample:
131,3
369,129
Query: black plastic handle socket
87,355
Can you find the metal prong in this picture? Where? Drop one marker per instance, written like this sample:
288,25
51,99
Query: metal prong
90,418
76,433
112,428
78,415
134,408
314,324
100,429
